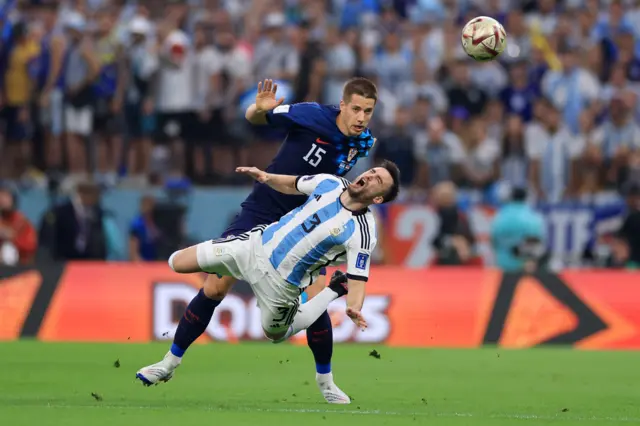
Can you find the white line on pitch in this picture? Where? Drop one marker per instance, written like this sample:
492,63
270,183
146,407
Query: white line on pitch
513,416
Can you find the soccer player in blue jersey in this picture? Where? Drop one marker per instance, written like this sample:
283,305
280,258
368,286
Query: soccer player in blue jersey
320,139
334,226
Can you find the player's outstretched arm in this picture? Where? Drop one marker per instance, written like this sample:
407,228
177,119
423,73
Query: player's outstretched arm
265,102
282,183
355,300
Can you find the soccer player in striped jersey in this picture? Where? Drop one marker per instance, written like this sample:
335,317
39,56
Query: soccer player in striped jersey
333,227
319,139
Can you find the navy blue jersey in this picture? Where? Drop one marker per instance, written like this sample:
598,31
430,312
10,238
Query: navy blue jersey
313,145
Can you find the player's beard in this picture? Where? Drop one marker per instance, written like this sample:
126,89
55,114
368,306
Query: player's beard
356,192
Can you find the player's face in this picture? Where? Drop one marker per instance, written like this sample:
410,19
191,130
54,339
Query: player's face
371,186
356,114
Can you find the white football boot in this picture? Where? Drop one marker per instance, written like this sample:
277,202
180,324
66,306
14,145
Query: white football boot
159,372
332,393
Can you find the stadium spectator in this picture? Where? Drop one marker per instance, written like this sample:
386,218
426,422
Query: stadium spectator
454,241
627,238
480,166
109,90
17,89
396,144
79,231
616,138
572,89
144,234
233,138
307,85
518,97
80,72
423,86
141,63
519,45
206,119
275,57
392,65
18,238
514,163
50,84
342,59
553,152
463,92
439,152
518,235
173,96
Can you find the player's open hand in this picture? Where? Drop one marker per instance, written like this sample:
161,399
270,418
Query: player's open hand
259,175
357,318
266,96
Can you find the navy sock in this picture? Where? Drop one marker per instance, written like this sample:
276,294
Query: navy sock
320,340
193,323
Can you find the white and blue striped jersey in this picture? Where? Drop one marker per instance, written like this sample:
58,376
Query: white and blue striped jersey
320,233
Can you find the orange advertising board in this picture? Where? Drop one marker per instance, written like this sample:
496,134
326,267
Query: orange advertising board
444,307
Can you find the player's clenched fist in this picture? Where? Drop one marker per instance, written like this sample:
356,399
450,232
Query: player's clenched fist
357,318
266,96
259,175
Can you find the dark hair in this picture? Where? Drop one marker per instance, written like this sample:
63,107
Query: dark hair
394,171
519,195
360,86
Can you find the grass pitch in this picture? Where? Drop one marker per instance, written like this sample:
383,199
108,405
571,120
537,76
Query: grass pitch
264,384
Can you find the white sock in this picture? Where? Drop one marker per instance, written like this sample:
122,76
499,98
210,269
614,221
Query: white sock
309,312
324,378
173,360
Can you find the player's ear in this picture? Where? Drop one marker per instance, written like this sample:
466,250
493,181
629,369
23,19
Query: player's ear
378,200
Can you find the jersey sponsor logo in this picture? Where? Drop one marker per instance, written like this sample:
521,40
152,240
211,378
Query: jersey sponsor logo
321,142
282,109
361,261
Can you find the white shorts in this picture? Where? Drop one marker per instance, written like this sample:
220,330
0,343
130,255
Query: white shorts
78,121
242,257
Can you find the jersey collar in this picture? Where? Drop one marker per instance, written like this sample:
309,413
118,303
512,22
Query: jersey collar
355,213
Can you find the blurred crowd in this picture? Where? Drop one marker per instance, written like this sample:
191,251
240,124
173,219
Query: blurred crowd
152,90
140,92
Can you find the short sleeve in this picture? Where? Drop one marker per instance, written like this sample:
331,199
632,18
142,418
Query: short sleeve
360,247
310,184
290,115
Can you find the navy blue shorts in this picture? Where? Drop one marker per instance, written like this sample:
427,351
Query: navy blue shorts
245,222
15,130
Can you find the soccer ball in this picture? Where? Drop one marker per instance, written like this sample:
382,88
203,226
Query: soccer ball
483,38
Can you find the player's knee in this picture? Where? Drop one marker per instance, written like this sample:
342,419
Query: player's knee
216,288
172,260
185,261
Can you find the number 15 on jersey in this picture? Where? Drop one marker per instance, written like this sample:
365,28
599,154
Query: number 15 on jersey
314,156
